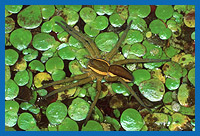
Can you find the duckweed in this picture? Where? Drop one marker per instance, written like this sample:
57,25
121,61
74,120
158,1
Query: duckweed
167,97
139,10
104,9
106,41
78,109
92,32
74,7
131,120
47,27
172,83
9,24
30,54
58,75
30,22
26,121
13,8
11,56
164,11
11,89
68,125
157,26
138,23
21,78
191,76
43,41
72,16
7,73
119,88
87,14
11,109
47,11
55,63
36,65
165,34
56,112
133,36
92,126
67,53
141,75
20,38
116,20
152,89
100,23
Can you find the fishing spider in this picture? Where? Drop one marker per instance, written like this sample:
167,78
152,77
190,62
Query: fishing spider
100,68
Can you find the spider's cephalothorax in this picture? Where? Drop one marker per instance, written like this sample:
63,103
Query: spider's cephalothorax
99,68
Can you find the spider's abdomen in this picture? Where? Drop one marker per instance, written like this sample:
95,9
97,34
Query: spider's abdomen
117,70
99,66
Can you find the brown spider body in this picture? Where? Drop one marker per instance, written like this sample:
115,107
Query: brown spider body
103,68
99,68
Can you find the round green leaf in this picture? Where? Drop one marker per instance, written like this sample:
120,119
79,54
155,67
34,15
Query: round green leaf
20,38
74,7
92,126
9,24
47,11
36,65
72,16
11,90
21,78
78,110
139,10
56,112
116,20
157,26
191,76
7,73
53,64
100,23
119,88
92,32
133,36
106,41
87,14
43,41
58,75
152,89
30,17
67,53
104,9
13,8
47,27
172,83
138,23
68,125
11,118
164,11
141,75
11,56
26,121
131,120
165,34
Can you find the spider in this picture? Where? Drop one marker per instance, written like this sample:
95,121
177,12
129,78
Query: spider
100,68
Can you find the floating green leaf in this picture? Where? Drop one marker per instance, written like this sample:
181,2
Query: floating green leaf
30,17
131,120
92,126
56,112
78,110
11,56
152,89
11,90
21,78
26,121
68,125
20,38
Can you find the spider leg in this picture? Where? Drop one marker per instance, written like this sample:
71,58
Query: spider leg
81,82
128,61
77,77
88,43
115,48
133,93
95,100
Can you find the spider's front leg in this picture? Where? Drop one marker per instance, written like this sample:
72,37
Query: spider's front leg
98,86
87,42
